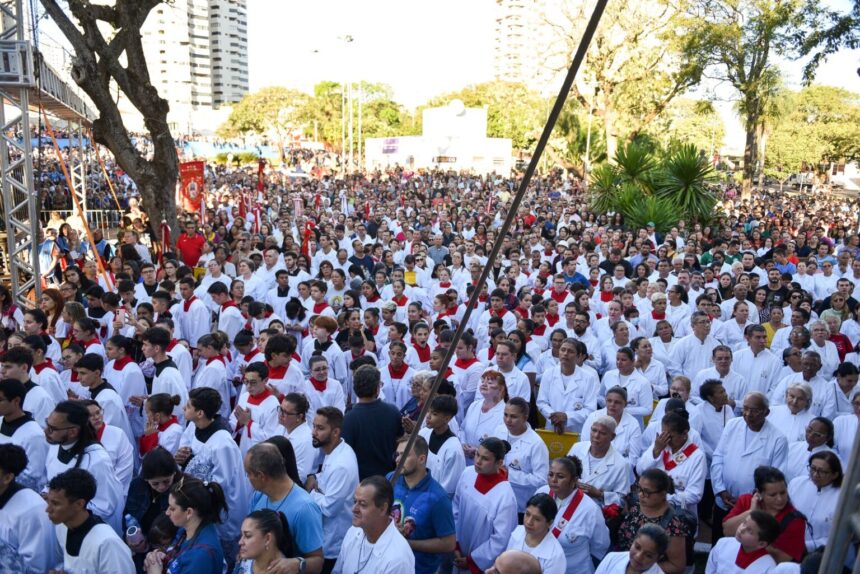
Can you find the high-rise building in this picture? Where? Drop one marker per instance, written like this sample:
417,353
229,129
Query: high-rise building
228,46
522,41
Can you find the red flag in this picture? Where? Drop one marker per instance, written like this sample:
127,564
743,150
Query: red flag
490,204
309,231
243,204
317,201
192,184
258,214
260,166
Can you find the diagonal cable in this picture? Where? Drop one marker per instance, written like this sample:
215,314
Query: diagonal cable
578,57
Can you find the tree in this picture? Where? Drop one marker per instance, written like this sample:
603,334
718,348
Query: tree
638,62
98,62
273,110
738,39
832,32
513,111
688,121
570,145
820,125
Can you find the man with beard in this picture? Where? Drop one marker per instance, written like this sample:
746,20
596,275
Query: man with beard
332,488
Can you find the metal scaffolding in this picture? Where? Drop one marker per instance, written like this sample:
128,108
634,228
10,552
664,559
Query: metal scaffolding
22,85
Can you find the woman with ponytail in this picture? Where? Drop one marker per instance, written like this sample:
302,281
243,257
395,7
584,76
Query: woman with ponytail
265,539
195,508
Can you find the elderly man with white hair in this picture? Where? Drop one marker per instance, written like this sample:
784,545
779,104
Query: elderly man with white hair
606,474
747,442
810,375
794,415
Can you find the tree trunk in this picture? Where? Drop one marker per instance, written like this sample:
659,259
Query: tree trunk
609,133
749,158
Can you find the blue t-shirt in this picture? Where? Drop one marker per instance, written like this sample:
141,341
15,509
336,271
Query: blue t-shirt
201,555
429,507
303,516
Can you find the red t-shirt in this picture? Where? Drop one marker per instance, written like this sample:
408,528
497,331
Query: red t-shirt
191,248
791,540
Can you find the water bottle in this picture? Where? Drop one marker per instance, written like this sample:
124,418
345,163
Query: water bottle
133,533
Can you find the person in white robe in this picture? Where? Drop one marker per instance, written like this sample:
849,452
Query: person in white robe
320,389
606,476
485,508
845,429
167,379
640,402
819,437
18,428
88,544
115,442
747,443
579,525
396,376
90,369
445,458
193,316
811,376
647,549
292,417
125,376
16,364
27,541
162,427
683,460
255,417
485,415
535,537
528,460
793,417
712,414
746,553
333,486
74,445
212,372
207,451
816,495
628,434
568,393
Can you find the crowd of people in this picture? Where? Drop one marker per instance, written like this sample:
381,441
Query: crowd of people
238,402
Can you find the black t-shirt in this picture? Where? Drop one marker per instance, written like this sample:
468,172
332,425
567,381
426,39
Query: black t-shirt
372,429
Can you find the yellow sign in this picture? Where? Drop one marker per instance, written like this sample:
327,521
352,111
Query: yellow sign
558,444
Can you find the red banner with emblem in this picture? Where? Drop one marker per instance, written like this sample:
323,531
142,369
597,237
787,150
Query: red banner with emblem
192,185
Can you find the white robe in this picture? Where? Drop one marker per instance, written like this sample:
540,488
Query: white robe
27,541
574,395
263,423
128,381
390,554
613,474
478,425
628,435
712,423
483,522
331,396
448,463
122,455
110,497
819,507
398,389
214,375
336,480
184,362
688,475
798,459
49,379
102,552
220,460
548,553
113,410
583,536
792,426
640,397
31,438
527,463
740,452
616,563
39,404
303,448
168,380
195,322
845,430
722,558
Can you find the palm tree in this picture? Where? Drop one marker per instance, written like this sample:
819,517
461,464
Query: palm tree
683,180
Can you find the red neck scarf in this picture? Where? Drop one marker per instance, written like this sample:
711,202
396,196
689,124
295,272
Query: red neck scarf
744,559
277,373
540,330
216,358
171,345
46,364
120,364
606,296
558,297
100,432
484,483
91,342
423,352
320,307
399,372
465,363
498,313
483,298
186,305
257,399
400,301
552,319
319,385
171,421
228,304
251,355
658,316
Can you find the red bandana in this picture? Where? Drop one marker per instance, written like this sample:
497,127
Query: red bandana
465,363
671,461
498,313
558,297
186,305
448,373
397,373
744,559
100,432
171,421
216,358
484,483
251,355
277,373
552,319
423,352
257,399
318,385
540,330
171,345
658,316
320,307
46,364
91,342
400,301
445,285
606,296
120,364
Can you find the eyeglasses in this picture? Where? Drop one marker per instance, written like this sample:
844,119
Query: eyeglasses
644,492
815,434
320,369
250,382
285,413
752,410
49,428
817,470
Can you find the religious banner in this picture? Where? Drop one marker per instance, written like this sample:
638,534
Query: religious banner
192,185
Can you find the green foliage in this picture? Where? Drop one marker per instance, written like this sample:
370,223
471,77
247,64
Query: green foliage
569,144
683,182
819,125
832,32
513,110
688,121
644,189
244,157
